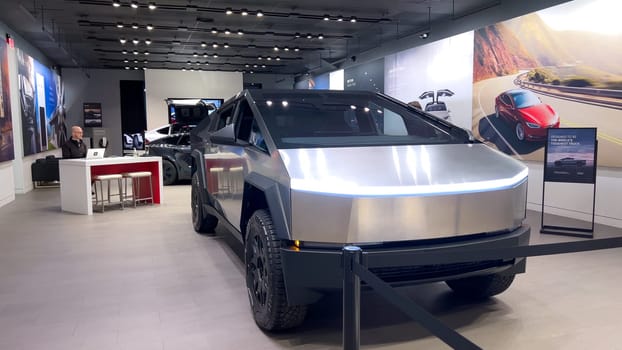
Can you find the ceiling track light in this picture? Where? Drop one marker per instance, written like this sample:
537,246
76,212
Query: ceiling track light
259,13
134,25
240,32
244,12
214,31
339,19
226,46
321,36
353,19
326,17
297,35
296,49
227,31
152,6
120,25
149,26
116,3
134,4
309,36
228,11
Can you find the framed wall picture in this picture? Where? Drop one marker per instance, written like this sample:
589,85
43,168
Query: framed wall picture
92,114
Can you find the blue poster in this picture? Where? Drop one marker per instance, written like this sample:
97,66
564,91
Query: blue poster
41,101
570,155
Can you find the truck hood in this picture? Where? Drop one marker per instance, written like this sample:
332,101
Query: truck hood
414,170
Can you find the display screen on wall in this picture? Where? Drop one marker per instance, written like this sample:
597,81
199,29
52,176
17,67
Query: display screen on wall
92,114
134,141
7,150
558,67
570,155
437,78
41,102
368,76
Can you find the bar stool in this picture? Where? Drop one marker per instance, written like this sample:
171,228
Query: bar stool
107,178
136,177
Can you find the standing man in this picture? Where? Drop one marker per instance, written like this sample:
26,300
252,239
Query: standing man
74,147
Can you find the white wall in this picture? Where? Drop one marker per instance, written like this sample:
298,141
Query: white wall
162,84
98,85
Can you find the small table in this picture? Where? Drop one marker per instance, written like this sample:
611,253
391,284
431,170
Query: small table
76,175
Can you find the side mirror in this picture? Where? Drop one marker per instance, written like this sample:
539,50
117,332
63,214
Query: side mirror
224,136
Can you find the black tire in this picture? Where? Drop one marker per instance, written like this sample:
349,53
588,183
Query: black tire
519,131
264,277
481,287
169,172
202,222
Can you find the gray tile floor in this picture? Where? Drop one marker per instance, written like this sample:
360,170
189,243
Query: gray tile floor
142,279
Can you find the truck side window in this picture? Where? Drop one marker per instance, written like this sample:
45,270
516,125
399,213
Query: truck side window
225,118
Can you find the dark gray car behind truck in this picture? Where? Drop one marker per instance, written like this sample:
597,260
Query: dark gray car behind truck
297,175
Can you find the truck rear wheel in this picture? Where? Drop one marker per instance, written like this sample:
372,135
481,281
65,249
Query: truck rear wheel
264,276
202,222
481,287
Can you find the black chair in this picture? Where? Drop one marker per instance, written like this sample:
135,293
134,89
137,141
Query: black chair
45,171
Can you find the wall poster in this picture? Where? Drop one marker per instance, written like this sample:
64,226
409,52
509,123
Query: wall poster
558,67
41,101
570,155
7,151
92,114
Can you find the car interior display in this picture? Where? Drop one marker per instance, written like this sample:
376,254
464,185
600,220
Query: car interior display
269,163
175,152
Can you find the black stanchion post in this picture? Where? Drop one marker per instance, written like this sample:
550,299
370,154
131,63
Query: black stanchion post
351,299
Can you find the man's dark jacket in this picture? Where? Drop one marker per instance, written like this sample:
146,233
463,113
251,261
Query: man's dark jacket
74,149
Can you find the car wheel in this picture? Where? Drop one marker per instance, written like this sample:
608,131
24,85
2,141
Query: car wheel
481,287
202,222
169,173
264,277
520,132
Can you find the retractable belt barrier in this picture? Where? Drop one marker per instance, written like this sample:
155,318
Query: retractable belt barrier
355,271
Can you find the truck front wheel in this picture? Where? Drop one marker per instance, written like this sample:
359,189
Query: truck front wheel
481,287
264,276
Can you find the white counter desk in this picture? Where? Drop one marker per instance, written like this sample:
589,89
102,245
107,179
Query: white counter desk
76,174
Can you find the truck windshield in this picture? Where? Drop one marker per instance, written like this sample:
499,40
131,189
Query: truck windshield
338,119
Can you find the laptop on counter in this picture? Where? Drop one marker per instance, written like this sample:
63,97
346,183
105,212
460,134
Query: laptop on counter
95,153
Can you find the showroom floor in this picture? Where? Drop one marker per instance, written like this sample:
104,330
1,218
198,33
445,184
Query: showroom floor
142,279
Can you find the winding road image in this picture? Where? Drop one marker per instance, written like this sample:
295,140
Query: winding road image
574,109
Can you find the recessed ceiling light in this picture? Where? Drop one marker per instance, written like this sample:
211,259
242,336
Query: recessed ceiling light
123,40
152,6
296,49
326,17
297,35
259,13
126,67
309,36
207,63
148,41
214,31
215,56
145,61
176,42
244,12
269,58
254,66
252,72
117,3
135,68
135,61
198,63
263,66
188,62
134,25
134,4
204,44
247,66
353,19
205,55
126,60
321,36
260,58
276,48
286,48
227,31
135,41
119,25
195,54
339,18
135,52
240,32
149,26
124,52
278,58
183,69
215,45
228,11
226,46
